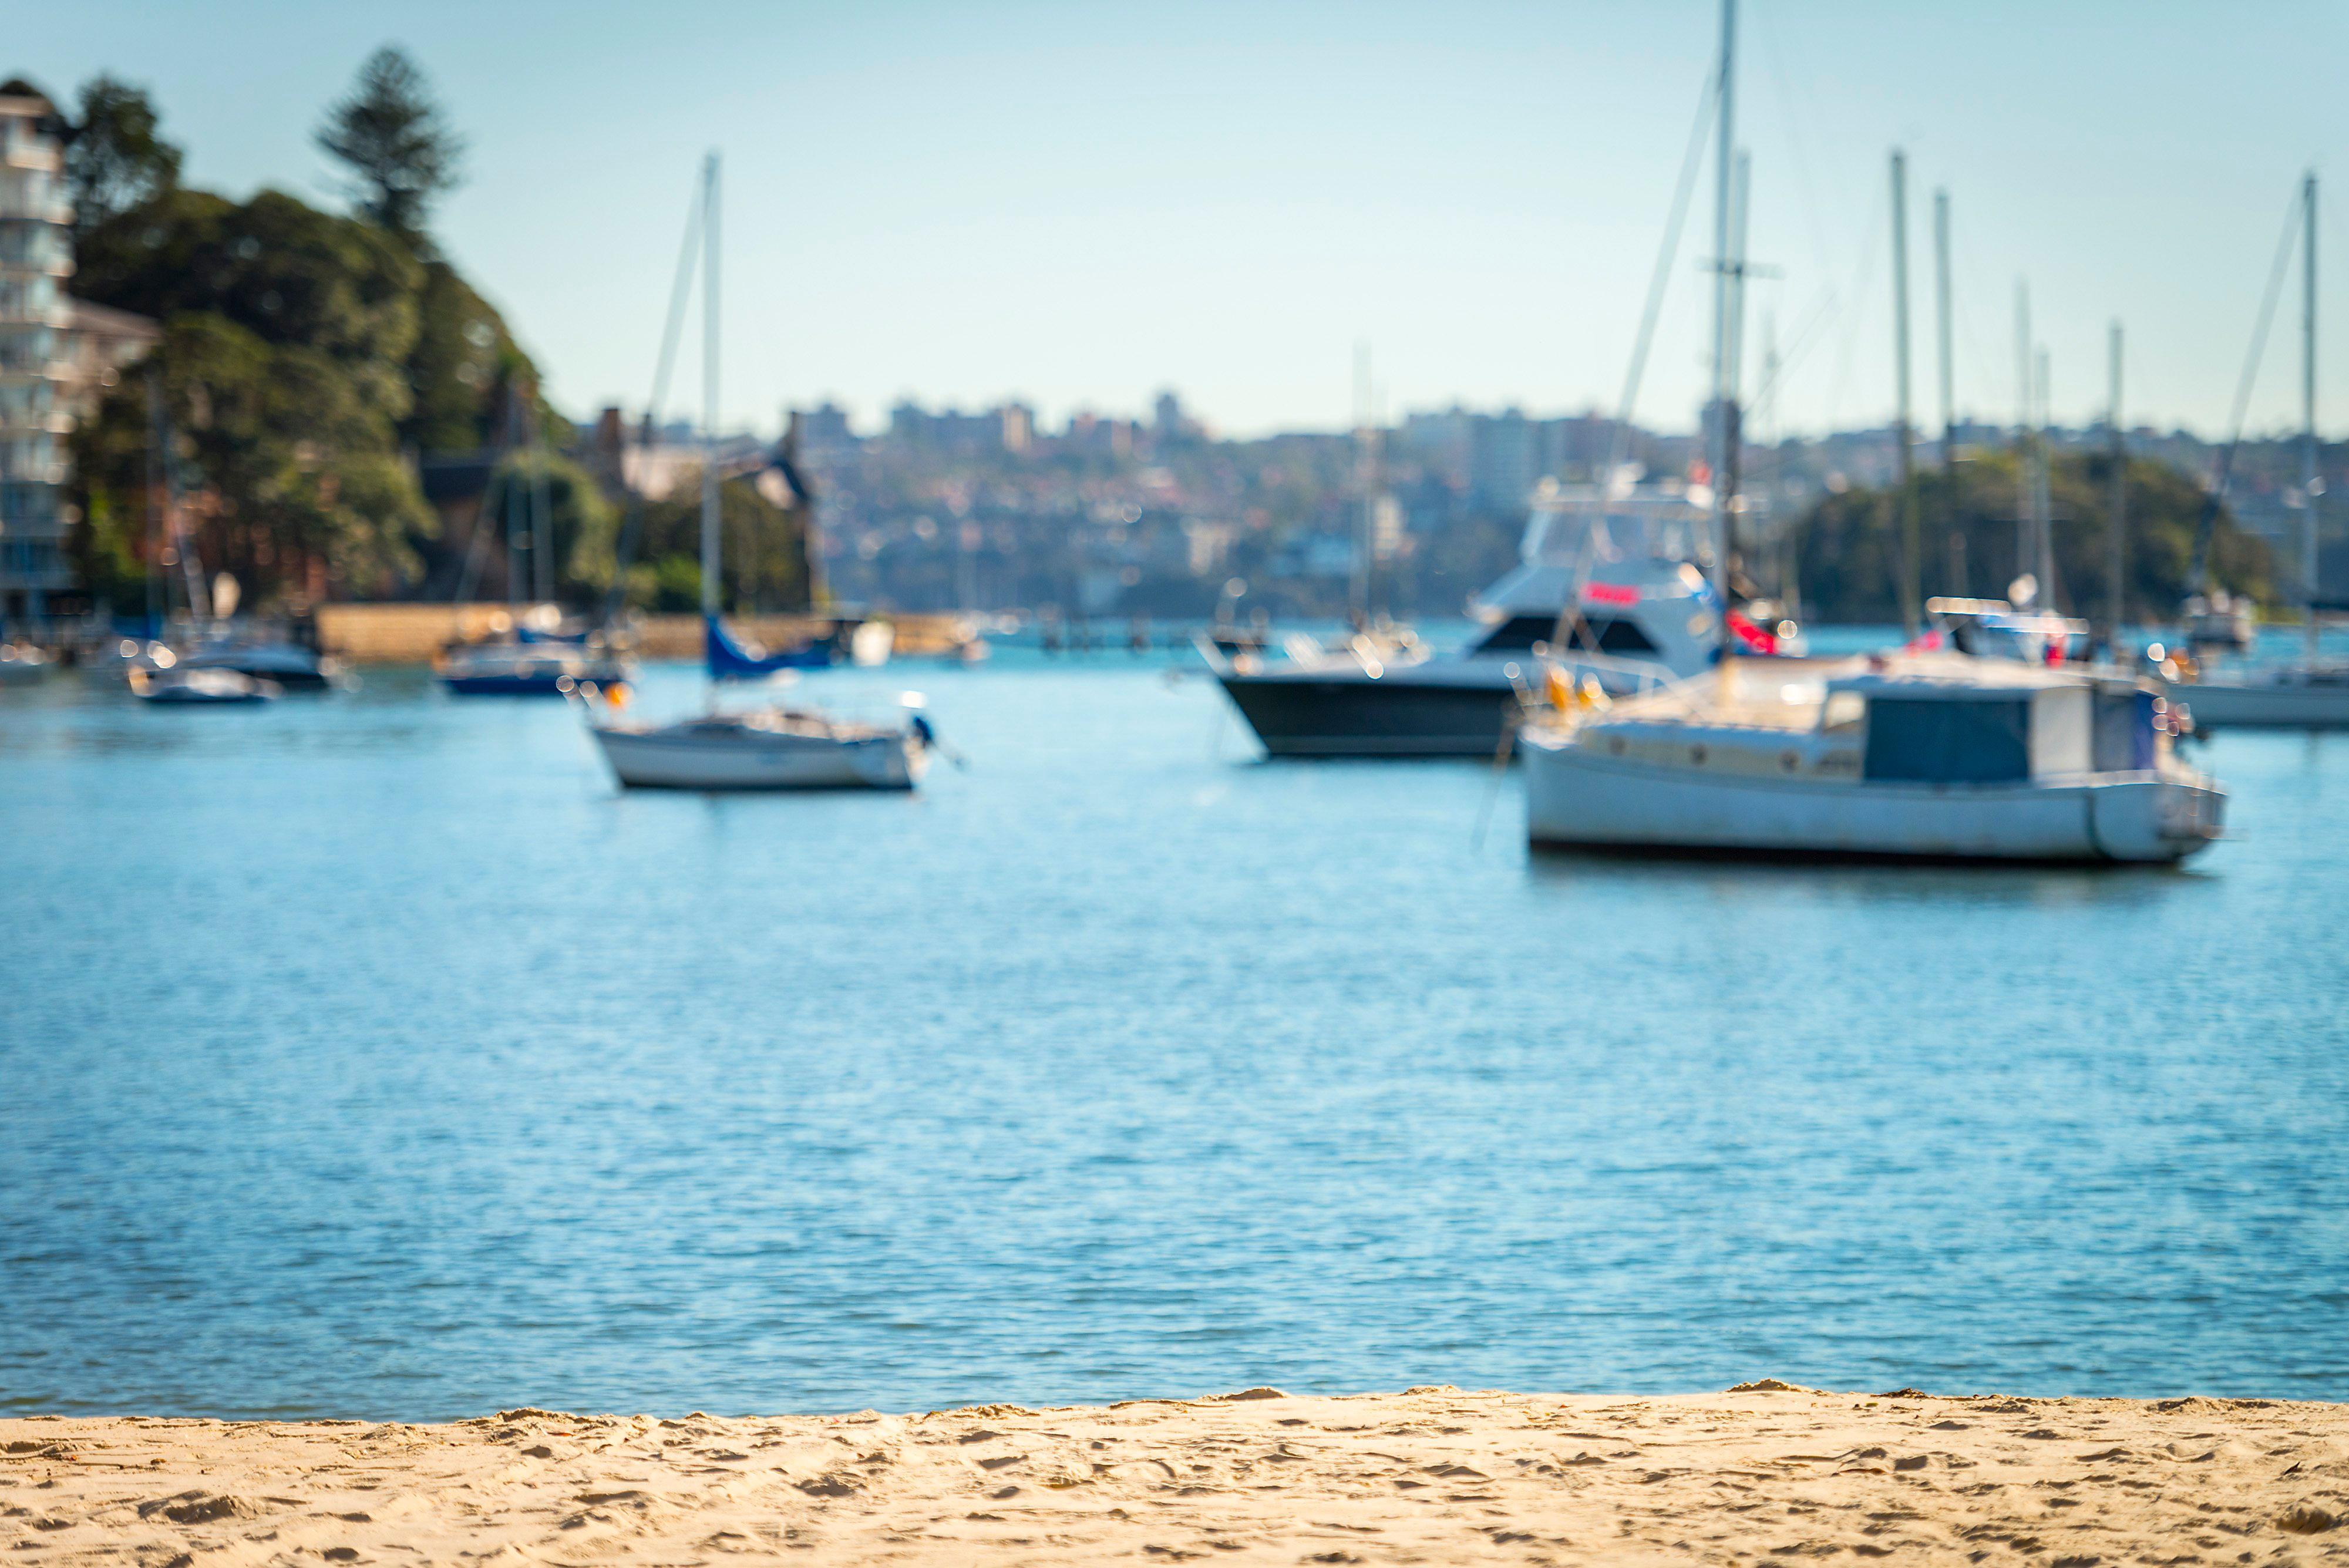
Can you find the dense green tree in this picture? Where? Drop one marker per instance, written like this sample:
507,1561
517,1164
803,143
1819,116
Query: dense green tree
116,158
399,149
284,459
275,266
763,561
459,370
1847,546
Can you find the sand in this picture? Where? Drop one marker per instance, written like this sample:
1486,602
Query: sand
1435,1475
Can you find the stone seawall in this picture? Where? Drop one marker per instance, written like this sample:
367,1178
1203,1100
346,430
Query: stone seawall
412,634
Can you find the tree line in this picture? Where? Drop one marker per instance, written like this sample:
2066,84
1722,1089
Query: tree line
312,366
1847,548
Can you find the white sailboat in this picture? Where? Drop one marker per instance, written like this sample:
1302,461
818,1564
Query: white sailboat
2307,693
774,747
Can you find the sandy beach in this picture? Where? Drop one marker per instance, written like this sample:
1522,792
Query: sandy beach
1432,1475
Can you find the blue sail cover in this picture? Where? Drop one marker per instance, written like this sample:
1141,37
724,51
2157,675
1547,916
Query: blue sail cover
729,660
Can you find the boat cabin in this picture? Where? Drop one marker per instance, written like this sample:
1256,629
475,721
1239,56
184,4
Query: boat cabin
1920,727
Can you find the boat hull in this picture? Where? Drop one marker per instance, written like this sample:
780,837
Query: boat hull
292,669
1575,799
1313,715
534,679
671,759
2279,705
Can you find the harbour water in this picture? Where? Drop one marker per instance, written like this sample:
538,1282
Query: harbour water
374,1056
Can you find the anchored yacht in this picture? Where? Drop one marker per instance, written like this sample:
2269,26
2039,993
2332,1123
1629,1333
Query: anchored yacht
1612,590
1933,755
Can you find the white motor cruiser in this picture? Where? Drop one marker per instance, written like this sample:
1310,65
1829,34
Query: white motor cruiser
1917,755
1610,590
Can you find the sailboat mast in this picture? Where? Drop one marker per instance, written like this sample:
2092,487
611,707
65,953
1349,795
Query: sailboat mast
1732,481
1724,422
2116,558
541,508
2026,508
1911,563
2309,484
710,387
159,587
1942,324
2043,510
513,499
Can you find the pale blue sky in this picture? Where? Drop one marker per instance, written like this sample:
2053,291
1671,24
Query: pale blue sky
1079,203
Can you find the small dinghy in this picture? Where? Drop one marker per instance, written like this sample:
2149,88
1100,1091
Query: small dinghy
288,665
182,686
525,669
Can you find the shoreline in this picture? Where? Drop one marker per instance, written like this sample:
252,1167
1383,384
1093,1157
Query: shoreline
1429,1475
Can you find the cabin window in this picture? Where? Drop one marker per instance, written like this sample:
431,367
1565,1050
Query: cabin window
1948,740
1844,712
1610,635
1520,632
2122,741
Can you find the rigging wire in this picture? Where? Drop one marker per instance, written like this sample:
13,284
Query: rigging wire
1862,294
1661,280
1571,627
2217,498
680,292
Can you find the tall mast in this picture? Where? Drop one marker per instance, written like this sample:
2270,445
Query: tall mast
710,387
542,510
159,589
1358,589
514,546
2042,509
2025,548
1731,482
1911,568
1941,309
1723,394
2311,486
2116,556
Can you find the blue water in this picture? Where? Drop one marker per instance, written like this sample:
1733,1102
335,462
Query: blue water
373,1057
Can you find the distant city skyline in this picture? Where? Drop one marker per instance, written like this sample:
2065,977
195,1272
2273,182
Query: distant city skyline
1077,207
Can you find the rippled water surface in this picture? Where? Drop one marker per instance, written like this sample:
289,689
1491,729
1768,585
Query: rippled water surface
374,1056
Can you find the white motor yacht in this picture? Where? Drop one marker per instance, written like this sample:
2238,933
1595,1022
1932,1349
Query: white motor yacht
1918,755
2303,695
1611,591
1995,629
2220,622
